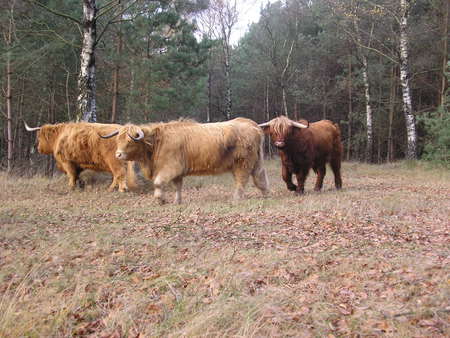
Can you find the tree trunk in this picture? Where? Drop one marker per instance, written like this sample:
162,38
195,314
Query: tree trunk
130,95
369,122
350,107
411,152
267,117
86,78
283,96
228,102
442,96
69,116
209,105
392,99
115,76
283,79
8,40
115,79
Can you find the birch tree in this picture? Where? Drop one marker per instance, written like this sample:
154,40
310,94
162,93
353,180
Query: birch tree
207,22
227,16
411,152
365,75
8,37
87,108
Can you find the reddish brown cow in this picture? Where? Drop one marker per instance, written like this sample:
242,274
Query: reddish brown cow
76,146
303,146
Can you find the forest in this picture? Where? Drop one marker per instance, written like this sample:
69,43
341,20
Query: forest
365,255
379,68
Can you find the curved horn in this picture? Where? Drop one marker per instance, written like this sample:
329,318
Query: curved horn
299,125
140,135
114,133
263,125
27,127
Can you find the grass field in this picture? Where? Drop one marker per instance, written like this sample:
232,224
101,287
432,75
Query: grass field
371,260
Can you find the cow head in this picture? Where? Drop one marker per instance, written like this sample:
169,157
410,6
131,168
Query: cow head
46,136
280,128
132,141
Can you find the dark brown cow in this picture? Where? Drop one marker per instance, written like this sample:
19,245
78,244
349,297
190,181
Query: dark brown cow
303,146
76,146
167,152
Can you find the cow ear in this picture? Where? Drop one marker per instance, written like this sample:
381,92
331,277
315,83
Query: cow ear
150,136
265,127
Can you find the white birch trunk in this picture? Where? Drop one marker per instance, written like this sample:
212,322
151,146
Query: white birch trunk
8,39
283,79
369,117
228,102
443,98
86,78
410,120
350,107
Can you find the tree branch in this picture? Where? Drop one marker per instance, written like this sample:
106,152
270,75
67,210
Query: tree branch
63,15
112,20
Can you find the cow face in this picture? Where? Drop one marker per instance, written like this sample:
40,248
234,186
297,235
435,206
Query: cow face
279,129
46,137
132,141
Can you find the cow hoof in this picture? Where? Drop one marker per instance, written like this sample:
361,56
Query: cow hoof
292,187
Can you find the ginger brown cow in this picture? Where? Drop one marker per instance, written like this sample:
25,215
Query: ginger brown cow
167,152
304,145
76,146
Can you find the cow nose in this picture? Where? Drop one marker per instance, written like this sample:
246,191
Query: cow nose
120,155
279,144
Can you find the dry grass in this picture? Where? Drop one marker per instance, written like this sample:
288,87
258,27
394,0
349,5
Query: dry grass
370,260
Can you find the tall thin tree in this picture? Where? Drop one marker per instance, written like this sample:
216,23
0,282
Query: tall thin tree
411,152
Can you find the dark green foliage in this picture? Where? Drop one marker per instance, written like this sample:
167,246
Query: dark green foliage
437,140
437,127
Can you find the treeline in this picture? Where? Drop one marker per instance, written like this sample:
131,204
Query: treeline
160,60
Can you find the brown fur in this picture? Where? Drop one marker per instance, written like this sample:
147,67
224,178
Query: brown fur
171,151
76,146
304,148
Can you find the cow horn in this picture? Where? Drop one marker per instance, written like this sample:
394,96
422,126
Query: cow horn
140,135
114,133
29,128
263,125
299,125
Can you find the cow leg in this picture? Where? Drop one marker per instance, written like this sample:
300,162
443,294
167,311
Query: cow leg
301,178
159,184
72,173
178,182
260,180
119,179
287,177
321,171
80,182
241,176
336,167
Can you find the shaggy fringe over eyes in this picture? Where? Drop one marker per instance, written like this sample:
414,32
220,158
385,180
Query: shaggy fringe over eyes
281,125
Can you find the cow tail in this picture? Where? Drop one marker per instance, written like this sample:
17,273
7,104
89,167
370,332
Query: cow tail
259,172
338,147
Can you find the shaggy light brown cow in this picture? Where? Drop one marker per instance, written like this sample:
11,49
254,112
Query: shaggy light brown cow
76,146
167,152
304,145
